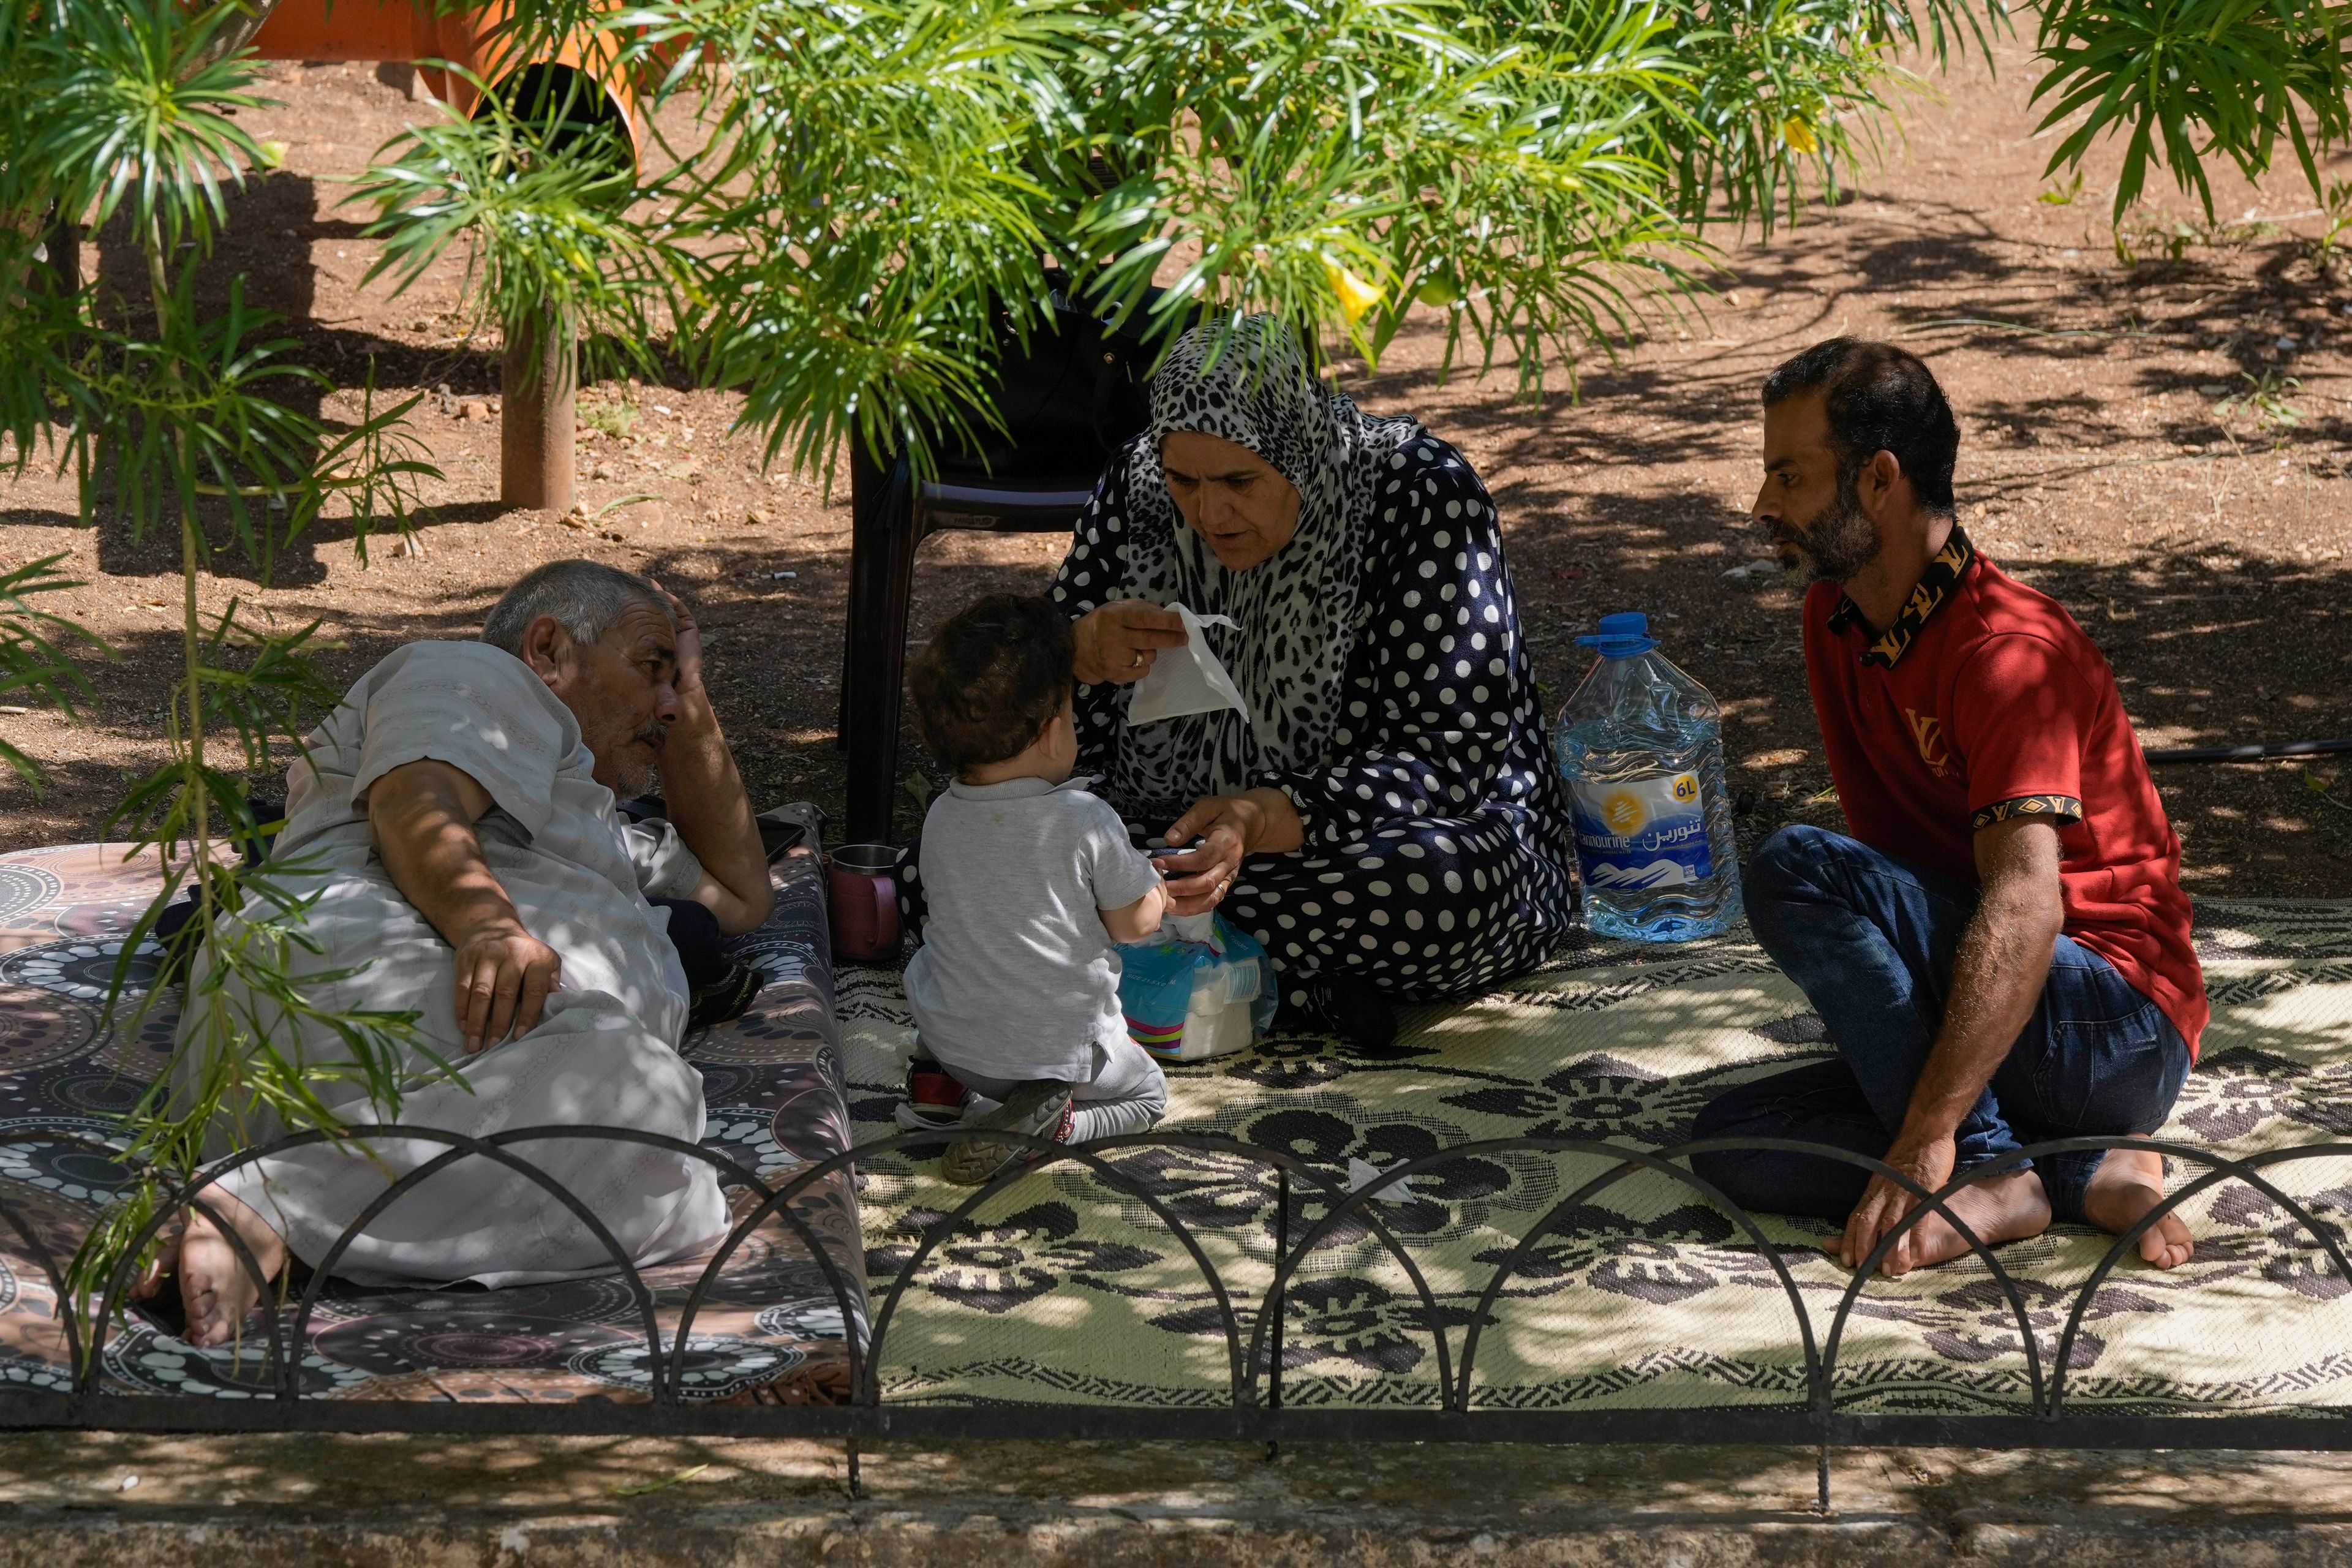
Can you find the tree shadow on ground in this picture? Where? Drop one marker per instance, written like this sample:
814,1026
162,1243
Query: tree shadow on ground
2176,309
686,1484
268,243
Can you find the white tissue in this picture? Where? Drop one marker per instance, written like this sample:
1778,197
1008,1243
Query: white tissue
1201,928
1362,1173
1187,680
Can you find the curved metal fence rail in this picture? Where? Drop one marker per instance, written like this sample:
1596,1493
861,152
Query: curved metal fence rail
1253,1410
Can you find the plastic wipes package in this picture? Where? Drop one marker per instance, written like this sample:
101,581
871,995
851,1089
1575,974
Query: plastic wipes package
1198,989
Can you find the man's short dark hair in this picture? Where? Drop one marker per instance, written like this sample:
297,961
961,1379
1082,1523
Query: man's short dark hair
992,678
1879,399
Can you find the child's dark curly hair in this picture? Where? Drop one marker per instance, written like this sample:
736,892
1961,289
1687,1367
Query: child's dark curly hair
992,678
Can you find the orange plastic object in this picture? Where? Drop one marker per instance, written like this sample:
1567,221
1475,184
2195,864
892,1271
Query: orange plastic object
409,31
352,30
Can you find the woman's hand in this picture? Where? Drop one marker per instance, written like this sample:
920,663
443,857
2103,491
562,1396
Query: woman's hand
1230,828
1120,641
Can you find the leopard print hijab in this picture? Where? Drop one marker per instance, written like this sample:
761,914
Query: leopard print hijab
1298,616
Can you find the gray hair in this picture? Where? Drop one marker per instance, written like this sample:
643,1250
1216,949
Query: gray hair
584,596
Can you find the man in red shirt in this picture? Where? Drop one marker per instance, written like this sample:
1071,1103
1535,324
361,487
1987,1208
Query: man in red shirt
2000,949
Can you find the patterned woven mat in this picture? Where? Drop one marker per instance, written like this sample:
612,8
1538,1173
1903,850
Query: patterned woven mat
1062,1290
771,1331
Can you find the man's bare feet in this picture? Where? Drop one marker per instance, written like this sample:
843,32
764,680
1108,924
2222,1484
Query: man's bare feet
215,1288
2007,1207
2127,1183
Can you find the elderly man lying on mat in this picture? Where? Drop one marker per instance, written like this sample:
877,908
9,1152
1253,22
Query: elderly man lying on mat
455,817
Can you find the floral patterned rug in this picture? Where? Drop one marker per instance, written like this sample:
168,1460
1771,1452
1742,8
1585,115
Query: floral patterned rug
1062,1290
772,1331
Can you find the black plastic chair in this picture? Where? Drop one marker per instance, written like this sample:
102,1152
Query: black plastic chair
1067,401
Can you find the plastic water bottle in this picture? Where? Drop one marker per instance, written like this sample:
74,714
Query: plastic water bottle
1641,744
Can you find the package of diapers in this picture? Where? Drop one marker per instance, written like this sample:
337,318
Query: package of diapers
1200,988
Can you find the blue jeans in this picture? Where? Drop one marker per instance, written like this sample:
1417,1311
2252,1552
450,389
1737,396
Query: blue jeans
1870,939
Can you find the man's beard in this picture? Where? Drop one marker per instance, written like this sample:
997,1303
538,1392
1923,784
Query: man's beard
631,778
1841,540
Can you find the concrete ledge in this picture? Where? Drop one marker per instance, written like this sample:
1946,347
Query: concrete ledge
409,1502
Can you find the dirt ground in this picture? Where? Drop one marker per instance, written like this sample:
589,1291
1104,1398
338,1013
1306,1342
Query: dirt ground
2161,446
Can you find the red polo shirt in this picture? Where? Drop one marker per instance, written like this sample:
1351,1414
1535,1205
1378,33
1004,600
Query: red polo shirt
1984,700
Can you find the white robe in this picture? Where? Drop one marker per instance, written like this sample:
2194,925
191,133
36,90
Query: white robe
604,1052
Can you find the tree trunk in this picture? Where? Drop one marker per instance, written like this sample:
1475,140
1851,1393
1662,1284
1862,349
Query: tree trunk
538,379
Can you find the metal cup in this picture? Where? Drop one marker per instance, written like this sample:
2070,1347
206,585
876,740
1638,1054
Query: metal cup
862,901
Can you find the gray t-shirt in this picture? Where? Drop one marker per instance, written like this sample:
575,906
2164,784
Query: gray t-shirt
1017,977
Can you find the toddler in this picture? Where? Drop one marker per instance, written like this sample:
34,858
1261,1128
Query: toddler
1029,880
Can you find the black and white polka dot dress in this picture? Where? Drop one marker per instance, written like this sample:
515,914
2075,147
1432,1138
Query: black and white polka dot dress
1436,860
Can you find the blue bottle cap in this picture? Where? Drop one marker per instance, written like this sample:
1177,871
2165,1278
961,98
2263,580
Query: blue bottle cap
1622,635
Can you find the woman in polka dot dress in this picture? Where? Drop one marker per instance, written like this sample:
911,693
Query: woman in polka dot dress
1388,819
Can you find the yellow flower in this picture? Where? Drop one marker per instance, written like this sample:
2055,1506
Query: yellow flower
1356,296
1800,135
273,154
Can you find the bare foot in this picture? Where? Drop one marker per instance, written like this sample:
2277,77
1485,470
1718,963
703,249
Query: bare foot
2007,1207
2127,1183
215,1288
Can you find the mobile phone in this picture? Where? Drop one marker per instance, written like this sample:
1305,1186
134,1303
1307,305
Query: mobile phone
776,837
1177,851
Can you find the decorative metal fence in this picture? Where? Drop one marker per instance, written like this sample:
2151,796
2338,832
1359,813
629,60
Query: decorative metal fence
1253,1410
